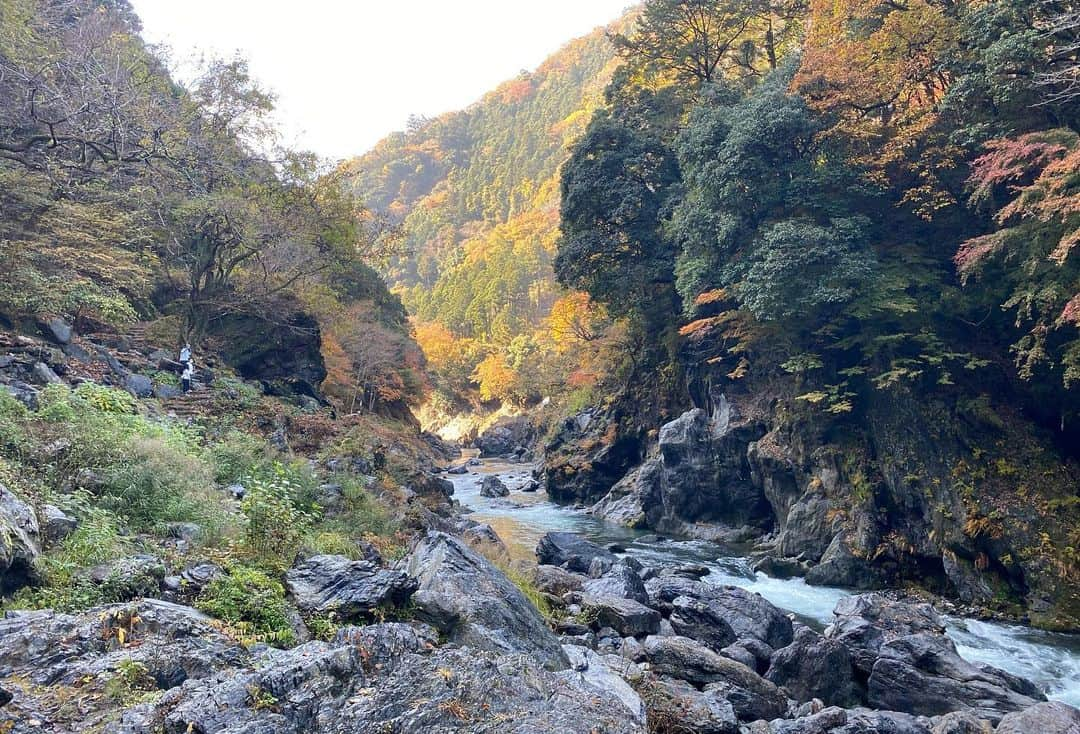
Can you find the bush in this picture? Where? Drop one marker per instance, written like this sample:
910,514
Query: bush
13,417
252,603
275,524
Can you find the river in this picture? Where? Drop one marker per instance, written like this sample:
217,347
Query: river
1051,660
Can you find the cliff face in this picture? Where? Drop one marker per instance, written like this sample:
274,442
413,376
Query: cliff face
963,496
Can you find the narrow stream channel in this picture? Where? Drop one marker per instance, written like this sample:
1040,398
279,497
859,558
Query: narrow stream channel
1051,660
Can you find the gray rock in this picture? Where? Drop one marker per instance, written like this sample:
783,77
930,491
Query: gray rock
351,589
557,581
752,696
164,391
140,386
492,486
814,667
594,671
626,616
862,721
60,330
57,524
470,601
20,542
198,575
124,579
43,374
823,722
840,566
25,394
923,674
621,581
186,531
960,722
572,552
711,611
677,706
864,623
1054,717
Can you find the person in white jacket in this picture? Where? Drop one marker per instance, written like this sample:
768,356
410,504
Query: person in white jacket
186,377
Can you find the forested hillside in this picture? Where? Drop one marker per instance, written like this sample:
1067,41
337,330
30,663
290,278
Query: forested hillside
847,231
476,196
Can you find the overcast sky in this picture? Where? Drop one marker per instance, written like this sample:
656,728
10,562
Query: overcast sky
348,72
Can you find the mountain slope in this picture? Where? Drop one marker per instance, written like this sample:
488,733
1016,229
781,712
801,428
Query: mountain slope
476,193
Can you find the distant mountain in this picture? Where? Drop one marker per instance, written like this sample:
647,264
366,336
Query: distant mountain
477,194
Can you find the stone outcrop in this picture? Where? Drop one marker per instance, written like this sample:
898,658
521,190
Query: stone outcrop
351,589
20,542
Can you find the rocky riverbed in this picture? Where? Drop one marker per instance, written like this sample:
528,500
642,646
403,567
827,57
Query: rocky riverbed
641,635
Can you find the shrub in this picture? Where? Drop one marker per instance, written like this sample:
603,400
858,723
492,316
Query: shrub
252,603
274,523
13,415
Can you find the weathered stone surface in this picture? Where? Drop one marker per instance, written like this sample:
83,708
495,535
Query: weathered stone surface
706,606
626,616
510,436
464,596
60,330
20,542
57,524
823,722
594,671
351,589
620,580
1053,717
815,667
557,581
44,375
864,623
923,674
492,486
572,552
140,386
960,722
677,706
129,578
752,696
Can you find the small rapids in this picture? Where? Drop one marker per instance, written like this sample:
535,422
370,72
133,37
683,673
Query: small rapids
1051,660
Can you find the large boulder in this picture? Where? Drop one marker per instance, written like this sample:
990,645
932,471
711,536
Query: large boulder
676,706
492,486
571,551
1053,717
814,667
387,678
752,696
626,616
351,589
864,623
20,542
923,674
510,436
719,614
619,581
594,670
473,603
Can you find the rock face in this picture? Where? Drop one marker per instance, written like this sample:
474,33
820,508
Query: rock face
20,542
814,667
700,474
914,667
472,603
492,486
382,678
626,616
572,552
352,589
512,436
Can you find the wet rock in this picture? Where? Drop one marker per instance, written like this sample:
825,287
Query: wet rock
57,524
492,486
20,542
677,706
572,552
469,600
1054,717
814,667
752,696
531,486
626,616
620,581
923,674
711,611
351,589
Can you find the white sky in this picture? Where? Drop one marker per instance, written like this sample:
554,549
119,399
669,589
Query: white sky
348,73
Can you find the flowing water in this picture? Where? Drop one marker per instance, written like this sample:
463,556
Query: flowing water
1051,660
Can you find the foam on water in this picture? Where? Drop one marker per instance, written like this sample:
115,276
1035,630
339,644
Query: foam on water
1050,660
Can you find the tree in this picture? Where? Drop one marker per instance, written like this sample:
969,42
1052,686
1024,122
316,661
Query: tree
614,190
